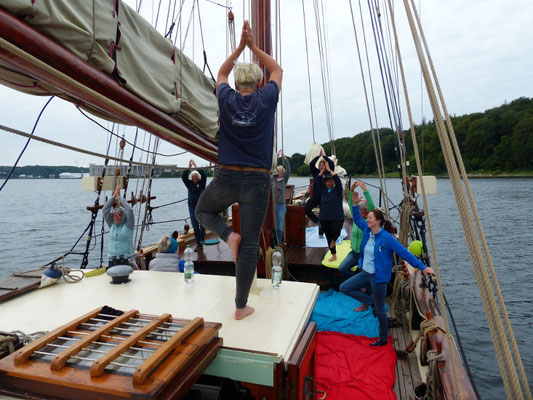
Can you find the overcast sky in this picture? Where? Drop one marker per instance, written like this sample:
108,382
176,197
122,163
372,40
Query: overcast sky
482,50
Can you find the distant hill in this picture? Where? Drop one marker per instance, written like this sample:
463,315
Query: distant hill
497,141
39,171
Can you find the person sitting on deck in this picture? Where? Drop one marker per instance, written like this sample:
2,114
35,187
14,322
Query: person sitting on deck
331,213
280,181
167,258
352,258
377,247
195,182
246,140
317,165
121,221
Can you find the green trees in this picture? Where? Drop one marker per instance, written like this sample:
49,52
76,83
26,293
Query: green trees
497,140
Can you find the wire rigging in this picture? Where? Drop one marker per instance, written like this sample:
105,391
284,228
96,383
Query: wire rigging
308,74
27,143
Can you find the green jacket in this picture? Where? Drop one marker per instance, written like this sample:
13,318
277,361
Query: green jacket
357,234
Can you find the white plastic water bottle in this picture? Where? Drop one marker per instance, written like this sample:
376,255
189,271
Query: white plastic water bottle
277,272
188,268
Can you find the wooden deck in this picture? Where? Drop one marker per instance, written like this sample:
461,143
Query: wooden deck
407,371
304,263
19,283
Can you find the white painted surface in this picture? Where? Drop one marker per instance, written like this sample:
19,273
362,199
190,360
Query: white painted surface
279,318
430,184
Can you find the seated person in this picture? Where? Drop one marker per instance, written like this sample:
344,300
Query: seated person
121,221
167,258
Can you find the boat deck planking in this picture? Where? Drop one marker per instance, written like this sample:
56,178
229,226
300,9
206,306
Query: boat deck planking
296,256
19,283
407,369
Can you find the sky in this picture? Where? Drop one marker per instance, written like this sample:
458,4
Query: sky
482,51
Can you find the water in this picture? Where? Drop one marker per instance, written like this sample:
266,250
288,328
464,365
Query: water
41,219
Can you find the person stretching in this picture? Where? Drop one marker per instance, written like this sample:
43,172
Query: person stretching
377,248
331,212
195,182
245,150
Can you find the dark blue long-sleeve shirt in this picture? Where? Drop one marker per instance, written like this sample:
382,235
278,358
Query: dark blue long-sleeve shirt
318,179
194,190
331,200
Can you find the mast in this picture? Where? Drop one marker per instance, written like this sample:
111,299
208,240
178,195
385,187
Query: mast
29,52
261,29
263,36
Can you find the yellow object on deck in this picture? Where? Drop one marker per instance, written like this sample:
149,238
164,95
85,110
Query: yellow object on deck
94,272
342,251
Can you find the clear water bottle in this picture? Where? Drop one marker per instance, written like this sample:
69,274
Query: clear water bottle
277,272
188,268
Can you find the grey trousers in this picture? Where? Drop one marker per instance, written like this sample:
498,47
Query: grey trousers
251,190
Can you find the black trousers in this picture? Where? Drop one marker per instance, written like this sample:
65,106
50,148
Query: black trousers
332,229
309,205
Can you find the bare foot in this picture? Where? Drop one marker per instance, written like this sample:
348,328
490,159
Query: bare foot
241,313
233,242
333,258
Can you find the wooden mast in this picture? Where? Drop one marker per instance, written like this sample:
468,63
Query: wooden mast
263,37
33,49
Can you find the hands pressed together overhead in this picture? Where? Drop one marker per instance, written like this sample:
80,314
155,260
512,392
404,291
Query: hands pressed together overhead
247,38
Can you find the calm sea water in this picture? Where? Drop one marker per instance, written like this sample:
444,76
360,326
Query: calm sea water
41,219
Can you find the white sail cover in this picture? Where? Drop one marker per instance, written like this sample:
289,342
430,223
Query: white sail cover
118,41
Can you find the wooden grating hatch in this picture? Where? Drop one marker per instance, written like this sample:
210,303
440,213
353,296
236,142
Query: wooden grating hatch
110,354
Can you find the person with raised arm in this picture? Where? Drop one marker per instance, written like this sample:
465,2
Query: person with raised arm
281,178
377,248
365,205
195,182
317,165
331,213
245,150
121,222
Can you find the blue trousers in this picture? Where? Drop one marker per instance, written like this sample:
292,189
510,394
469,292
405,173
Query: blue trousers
280,220
199,231
351,260
251,190
352,287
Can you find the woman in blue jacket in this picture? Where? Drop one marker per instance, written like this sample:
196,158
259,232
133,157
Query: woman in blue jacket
375,259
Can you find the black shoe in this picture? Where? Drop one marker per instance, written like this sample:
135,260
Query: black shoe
199,248
378,343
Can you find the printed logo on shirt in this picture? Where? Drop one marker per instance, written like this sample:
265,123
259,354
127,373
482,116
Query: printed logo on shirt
243,118
381,248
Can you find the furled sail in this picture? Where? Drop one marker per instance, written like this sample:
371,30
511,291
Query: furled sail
116,40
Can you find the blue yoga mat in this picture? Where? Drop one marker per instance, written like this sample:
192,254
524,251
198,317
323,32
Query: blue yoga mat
334,311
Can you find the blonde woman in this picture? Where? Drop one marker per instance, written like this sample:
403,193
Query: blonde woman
246,140
167,258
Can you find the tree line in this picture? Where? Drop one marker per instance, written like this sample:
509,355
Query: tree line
499,140
42,171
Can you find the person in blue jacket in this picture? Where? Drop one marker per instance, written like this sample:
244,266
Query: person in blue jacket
375,259
121,221
331,212
195,182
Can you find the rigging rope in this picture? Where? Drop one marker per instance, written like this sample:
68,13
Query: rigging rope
456,171
91,153
131,144
324,70
374,132
308,75
30,136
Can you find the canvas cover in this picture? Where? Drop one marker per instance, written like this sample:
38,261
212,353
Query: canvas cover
118,41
